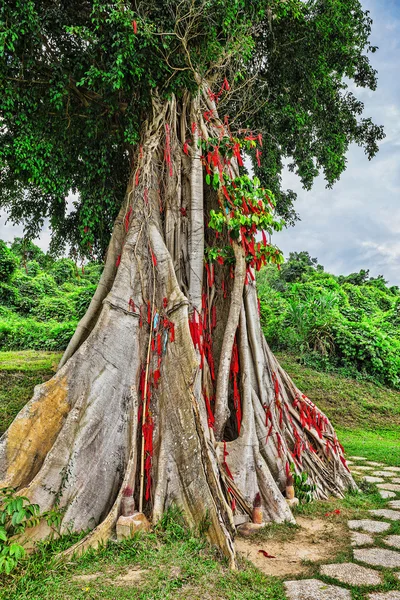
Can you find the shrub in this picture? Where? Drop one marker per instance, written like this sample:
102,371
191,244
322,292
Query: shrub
26,250
32,268
32,289
349,324
28,334
59,309
64,270
8,262
91,272
16,515
82,300
9,295
370,350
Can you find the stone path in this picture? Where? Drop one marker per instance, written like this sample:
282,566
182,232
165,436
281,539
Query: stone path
375,542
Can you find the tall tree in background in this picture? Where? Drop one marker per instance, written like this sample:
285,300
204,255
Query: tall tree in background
147,110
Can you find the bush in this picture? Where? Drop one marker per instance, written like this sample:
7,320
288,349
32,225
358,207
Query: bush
59,309
28,334
25,250
32,268
64,270
32,289
8,262
348,324
91,272
16,515
370,350
42,299
82,300
9,295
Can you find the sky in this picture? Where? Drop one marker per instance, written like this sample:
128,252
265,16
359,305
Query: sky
356,225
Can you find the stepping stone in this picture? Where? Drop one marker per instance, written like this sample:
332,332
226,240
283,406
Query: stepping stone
370,479
369,526
389,486
357,458
362,468
374,464
397,469
384,474
312,589
352,574
393,540
397,575
385,494
394,504
349,462
361,539
378,557
386,513
384,596
396,480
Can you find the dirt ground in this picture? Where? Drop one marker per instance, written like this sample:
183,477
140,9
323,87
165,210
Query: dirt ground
314,540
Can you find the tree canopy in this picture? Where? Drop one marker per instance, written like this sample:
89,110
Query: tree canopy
77,81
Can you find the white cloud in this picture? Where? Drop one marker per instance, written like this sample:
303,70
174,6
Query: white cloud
357,224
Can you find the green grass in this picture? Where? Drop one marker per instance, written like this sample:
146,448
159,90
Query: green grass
29,361
380,445
19,373
175,564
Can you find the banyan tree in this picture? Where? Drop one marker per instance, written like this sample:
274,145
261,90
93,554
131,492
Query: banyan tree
151,112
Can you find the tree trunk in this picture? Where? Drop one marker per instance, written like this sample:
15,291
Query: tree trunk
168,386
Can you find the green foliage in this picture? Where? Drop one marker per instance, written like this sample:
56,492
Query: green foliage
8,262
17,514
77,79
43,299
245,209
304,490
32,268
9,295
19,334
58,309
25,250
340,323
64,270
82,300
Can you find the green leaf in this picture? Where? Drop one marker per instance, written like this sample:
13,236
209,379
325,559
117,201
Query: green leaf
17,550
18,517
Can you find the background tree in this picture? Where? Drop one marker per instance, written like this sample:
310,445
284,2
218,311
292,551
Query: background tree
168,386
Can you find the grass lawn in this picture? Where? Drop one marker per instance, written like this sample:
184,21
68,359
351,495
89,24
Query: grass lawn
172,562
168,563
19,373
380,445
